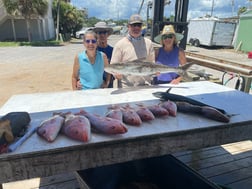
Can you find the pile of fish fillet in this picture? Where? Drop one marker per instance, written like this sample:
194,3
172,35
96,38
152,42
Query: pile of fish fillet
80,125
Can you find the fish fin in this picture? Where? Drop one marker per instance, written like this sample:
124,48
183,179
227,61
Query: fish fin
184,72
168,90
186,66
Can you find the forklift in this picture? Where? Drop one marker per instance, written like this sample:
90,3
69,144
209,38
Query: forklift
180,21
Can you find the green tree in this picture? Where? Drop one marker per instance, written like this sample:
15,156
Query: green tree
91,21
70,19
28,9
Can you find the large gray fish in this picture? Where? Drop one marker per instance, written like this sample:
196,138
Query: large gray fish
145,68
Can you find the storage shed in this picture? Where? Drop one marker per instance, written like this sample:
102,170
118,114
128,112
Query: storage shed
243,40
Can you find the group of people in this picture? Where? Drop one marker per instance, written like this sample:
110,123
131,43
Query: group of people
88,68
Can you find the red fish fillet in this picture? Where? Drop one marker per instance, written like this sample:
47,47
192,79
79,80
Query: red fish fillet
157,110
130,116
77,127
145,114
104,125
50,128
170,106
115,112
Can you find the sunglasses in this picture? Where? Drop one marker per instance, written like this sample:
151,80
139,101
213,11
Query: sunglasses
167,36
102,32
93,41
136,25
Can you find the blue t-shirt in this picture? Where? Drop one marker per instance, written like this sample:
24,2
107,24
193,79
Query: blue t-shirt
108,51
91,75
170,59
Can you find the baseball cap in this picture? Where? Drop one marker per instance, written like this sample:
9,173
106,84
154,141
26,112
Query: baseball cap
135,18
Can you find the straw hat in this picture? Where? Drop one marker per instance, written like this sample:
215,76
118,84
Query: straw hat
168,29
102,26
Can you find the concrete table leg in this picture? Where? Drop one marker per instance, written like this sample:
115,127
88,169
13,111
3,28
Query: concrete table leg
247,84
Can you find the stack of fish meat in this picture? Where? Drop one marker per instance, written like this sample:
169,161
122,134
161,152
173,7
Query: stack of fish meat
104,124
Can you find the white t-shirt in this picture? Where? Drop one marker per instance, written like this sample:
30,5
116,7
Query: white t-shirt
136,49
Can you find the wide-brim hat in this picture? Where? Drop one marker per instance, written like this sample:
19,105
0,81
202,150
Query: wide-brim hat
168,29
102,26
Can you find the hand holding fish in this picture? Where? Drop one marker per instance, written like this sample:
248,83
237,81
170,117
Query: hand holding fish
117,75
176,81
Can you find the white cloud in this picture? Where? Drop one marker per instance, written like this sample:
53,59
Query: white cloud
109,9
122,9
221,8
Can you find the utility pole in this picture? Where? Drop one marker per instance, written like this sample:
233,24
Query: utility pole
141,6
57,24
212,9
232,4
149,6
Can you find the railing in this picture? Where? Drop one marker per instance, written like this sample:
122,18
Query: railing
224,66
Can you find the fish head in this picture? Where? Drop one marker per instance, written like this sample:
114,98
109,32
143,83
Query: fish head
115,68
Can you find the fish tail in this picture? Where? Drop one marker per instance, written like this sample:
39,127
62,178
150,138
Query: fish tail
184,71
186,66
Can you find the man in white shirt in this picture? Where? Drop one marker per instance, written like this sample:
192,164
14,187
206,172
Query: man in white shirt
133,47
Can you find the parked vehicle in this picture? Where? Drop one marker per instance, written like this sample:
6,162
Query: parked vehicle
124,30
211,32
116,29
80,34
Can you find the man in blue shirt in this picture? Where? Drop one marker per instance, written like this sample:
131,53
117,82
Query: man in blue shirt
103,31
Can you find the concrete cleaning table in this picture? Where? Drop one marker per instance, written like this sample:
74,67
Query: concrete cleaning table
38,158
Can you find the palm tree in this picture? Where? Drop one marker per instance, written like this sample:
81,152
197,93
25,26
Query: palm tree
28,9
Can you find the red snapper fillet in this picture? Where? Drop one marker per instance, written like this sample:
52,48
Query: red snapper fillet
49,128
144,113
130,116
114,112
77,127
170,106
157,110
104,125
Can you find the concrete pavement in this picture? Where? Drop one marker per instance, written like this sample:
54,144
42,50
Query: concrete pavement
29,54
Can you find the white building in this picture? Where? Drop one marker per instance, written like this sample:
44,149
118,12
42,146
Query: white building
14,28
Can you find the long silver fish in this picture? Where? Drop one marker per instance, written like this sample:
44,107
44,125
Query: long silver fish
145,68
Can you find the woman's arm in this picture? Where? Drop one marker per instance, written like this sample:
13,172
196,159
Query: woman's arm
182,61
75,74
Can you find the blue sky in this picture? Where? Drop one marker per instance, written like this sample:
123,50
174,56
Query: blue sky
122,9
